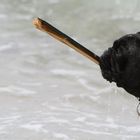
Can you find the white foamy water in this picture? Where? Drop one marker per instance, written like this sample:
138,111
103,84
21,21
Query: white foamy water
50,92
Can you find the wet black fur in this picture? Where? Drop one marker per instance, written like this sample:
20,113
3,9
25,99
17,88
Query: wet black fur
121,63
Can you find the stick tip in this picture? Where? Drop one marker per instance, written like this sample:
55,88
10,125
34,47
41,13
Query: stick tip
37,22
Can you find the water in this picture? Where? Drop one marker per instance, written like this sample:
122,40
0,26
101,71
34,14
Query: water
50,92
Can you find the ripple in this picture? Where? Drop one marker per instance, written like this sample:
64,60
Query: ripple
67,72
16,90
61,136
34,127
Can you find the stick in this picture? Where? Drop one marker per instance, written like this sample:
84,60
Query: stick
44,26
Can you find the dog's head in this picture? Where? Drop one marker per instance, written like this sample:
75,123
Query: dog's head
121,63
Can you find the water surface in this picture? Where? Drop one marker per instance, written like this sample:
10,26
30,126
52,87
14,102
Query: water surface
50,92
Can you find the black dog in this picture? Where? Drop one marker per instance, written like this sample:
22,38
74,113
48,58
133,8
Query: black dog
121,63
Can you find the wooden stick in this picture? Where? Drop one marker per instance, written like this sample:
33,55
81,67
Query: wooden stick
44,26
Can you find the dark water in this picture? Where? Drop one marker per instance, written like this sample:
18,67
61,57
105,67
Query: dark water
48,91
